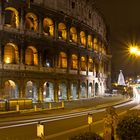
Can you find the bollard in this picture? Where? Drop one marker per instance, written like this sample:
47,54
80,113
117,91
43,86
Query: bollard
35,108
50,106
90,120
17,107
40,130
62,104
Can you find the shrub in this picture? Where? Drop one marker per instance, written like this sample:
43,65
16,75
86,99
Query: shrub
87,136
128,128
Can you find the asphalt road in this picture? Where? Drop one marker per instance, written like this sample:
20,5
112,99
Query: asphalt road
58,127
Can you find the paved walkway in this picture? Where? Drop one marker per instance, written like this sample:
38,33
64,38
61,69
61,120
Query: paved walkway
69,106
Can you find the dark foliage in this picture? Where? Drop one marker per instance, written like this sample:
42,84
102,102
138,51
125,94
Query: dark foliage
128,128
86,136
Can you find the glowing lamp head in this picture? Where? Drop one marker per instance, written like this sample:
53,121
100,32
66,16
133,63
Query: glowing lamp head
133,50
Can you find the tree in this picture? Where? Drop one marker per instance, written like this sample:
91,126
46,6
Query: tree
128,127
86,136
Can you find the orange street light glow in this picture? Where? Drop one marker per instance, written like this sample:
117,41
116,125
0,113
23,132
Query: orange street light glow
133,50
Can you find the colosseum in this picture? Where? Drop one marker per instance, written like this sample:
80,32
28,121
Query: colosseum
53,50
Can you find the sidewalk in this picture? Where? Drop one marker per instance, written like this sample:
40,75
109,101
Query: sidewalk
69,106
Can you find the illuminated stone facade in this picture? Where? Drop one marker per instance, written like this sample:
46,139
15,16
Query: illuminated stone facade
52,50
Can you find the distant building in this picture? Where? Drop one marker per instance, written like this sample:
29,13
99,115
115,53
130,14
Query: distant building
52,50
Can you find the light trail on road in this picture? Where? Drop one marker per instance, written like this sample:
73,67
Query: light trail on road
5,125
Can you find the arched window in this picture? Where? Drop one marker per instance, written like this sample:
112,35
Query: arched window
62,60
11,54
31,56
73,35
89,41
95,44
90,64
83,63
48,27
82,38
31,21
74,62
11,17
62,33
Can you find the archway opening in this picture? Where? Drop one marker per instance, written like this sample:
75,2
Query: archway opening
31,21
62,93
90,91
48,93
74,95
83,90
73,35
62,33
31,56
31,91
62,60
11,55
48,27
96,89
10,90
11,17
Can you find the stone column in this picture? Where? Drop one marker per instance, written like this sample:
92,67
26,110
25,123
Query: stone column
22,20
68,90
22,89
40,26
78,89
22,53
68,61
56,30
40,92
87,89
56,89
87,70
1,12
0,52
79,64
40,58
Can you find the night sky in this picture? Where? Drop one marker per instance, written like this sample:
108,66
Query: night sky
123,18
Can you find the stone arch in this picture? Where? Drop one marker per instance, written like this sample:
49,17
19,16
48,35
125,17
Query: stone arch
83,63
31,21
31,56
62,92
10,90
31,91
11,17
90,90
89,41
48,92
62,32
73,35
11,55
95,44
83,90
74,62
90,64
48,26
83,38
74,88
96,89
63,60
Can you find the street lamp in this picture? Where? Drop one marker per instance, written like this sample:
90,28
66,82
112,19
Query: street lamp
133,49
